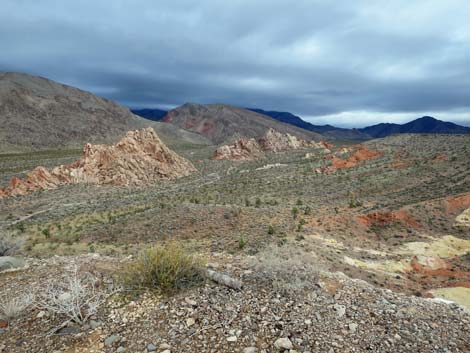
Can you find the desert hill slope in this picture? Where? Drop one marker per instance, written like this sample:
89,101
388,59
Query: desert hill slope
220,122
37,113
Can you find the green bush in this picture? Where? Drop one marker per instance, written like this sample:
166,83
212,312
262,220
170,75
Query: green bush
163,268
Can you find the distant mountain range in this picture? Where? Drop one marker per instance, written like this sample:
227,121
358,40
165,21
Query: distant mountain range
151,114
424,125
326,130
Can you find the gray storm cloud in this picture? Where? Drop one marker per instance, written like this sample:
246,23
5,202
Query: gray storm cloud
343,62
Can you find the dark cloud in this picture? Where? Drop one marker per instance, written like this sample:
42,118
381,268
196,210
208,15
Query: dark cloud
342,62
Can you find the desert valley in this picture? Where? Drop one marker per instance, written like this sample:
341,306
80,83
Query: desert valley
295,242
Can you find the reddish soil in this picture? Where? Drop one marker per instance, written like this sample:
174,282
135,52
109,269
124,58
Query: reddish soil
400,165
384,218
457,203
362,154
439,157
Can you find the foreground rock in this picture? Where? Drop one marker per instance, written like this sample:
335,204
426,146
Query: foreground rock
8,263
139,158
271,141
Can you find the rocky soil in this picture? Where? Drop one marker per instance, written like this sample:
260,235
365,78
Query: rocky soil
331,313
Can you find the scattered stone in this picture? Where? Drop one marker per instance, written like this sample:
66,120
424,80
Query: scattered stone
190,322
232,339
111,340
283,343
94,324
164,346
120,349
353,327
151,347
190,302
340,310
40,314
250,350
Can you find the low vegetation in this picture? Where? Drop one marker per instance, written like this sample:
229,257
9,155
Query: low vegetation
165,269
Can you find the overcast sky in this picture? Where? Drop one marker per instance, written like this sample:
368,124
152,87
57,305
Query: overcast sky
349,63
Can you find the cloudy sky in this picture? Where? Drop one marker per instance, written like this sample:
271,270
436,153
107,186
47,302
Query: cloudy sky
349,63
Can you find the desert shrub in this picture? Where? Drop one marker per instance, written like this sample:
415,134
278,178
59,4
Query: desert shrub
11,308
295,212
242,242
164,268
270,230
75,298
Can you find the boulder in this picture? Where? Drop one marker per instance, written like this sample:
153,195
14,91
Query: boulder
8,263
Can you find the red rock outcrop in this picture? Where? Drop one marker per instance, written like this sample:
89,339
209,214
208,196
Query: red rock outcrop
272,141
139,158
361,153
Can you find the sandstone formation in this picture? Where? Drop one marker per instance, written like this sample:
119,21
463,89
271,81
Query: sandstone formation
271,141
242,149
139,158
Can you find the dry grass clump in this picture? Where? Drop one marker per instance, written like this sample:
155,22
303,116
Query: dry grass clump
164,268
289,269
11,308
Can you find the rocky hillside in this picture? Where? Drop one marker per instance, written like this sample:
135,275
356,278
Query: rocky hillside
37,113
221,123
139,158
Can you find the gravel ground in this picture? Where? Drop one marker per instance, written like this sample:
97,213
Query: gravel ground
331,313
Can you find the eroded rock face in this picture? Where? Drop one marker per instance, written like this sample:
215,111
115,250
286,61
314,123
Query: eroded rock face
272,141
242,149
139,158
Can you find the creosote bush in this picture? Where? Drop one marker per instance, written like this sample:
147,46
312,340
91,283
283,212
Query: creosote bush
166,269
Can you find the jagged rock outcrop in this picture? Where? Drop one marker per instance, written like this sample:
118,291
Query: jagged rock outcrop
139,158
271,141
242,149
